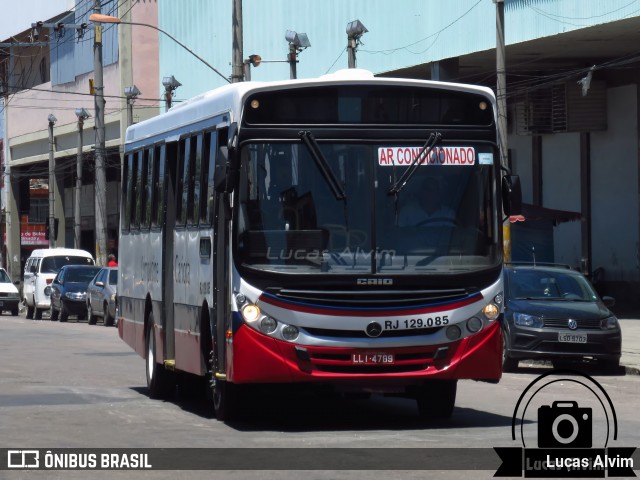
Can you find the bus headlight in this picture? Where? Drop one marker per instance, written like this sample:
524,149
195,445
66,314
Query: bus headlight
250,312
268,325
290,332
474,324
491,311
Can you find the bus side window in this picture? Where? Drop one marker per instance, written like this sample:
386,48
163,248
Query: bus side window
195,162
157,203
148,188
135,196
126,192
208,169
182,173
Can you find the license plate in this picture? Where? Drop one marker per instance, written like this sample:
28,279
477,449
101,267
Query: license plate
1,303
572,338
372,359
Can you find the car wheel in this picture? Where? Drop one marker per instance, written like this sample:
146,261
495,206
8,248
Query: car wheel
437,399
508,364
54,314
15,311
29,311
37,313
107,318
64,313
92,318
160,382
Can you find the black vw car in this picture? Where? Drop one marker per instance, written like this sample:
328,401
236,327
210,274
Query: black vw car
554,313
69,291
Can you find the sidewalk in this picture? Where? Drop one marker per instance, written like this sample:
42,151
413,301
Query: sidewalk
630,344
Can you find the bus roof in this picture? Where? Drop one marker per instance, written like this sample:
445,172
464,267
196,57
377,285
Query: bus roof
229,99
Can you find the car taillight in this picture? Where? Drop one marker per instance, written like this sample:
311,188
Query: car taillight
49,280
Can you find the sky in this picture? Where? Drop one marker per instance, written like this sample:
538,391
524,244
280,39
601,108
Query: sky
17,16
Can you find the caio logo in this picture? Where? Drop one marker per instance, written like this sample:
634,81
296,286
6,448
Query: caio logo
374,281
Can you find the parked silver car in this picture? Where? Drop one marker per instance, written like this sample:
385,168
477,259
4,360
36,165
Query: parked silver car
101,296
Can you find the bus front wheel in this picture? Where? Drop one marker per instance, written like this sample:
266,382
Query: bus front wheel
159,380
437,398
225,401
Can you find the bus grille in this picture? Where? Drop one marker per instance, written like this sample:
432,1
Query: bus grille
370,298
333,333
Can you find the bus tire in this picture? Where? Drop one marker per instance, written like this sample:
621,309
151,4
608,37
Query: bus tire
225,400
437,399
37,313
159,380
29,311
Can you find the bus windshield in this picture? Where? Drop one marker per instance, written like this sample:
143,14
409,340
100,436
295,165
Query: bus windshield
289,218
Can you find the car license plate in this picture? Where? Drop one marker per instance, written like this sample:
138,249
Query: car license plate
1,303
572,338
372,359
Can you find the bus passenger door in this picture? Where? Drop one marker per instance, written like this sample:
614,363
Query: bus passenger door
171,162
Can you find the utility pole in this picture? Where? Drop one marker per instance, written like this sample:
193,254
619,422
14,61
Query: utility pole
237,66
101,181
52,180
501,97
82,114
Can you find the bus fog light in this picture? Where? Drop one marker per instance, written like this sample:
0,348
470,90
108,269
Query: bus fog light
491,311
250,312
474,324
453,332
268,325
290,332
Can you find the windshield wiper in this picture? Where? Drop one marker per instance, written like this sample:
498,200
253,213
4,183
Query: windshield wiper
434,138
322,163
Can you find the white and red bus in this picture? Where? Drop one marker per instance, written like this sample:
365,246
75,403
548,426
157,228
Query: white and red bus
284,232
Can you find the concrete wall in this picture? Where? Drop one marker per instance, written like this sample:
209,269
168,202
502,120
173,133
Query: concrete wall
614,177
614,187
561,190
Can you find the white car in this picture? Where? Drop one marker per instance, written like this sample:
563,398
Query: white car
9,295
40,270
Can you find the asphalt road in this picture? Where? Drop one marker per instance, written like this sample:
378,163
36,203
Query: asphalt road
71,385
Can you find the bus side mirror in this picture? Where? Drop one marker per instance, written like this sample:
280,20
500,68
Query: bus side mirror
226,173
511,195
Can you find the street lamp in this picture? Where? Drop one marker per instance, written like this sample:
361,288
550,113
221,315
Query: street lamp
253,60
297,43
170,84
101,18
52,167
355,30
82,115
131,93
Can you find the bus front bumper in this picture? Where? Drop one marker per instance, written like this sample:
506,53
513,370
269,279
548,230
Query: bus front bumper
257,358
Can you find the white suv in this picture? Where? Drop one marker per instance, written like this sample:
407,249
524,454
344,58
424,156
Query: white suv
40,270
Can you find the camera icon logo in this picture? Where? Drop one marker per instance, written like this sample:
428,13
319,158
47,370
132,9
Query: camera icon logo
564,425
